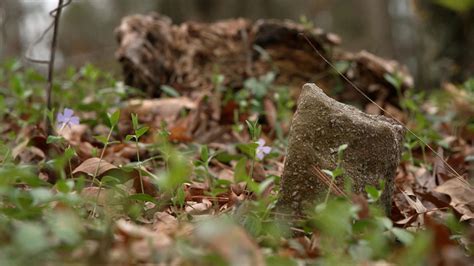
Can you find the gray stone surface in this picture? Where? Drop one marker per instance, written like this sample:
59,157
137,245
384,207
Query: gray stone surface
319,126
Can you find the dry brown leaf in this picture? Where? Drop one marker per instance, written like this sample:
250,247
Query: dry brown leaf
165,222
75,133
361,202
232,243
270,112
198,208
179,133
461,100
166,109
462,197
92,194
148,186
424,178
89,167
413,200
139,242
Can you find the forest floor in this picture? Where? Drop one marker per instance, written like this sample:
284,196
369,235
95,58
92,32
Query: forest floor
122,181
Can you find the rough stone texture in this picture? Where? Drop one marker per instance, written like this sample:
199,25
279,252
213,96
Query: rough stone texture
320,125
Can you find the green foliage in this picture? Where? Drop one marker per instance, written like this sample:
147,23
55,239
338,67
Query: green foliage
456,5
44,221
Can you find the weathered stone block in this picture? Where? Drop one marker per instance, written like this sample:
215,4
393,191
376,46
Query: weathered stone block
319,126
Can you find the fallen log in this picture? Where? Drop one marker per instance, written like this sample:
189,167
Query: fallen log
154,52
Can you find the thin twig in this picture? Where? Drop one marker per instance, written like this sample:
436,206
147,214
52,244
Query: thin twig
52,56
56,14
327,181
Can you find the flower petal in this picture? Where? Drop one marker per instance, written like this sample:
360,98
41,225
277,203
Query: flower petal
60,118
266,149
260,155
260,142
74,120
68,112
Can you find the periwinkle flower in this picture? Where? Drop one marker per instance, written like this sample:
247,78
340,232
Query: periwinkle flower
67,118
262,150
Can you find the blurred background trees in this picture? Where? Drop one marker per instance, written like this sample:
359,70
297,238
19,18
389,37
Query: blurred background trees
434,38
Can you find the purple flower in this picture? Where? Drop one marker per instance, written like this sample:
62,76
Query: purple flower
67,118
262,149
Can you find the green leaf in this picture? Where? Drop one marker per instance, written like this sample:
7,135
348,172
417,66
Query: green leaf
66,226
30,238
130,137
240,173
329,173
114,118
281,261
41,195
134,121
69,152
373,193
110,180
342,148
180,197
403,235
342,66
395,81
141,131
142,197
250,126
248,149
50,114
338,172
204,153
101,139
222,182
225,157
170,91
253,225
54,140
64,186
387,223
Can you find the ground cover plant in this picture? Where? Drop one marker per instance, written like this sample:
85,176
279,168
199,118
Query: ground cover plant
113,184
94,171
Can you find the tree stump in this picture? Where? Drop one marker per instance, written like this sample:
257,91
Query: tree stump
319,126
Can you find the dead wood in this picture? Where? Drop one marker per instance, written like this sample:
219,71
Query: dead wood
153,52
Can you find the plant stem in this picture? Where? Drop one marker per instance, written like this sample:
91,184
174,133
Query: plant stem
94,177
333,178
51,63
139,165
252,165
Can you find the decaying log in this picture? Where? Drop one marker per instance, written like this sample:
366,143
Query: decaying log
320,125
153,52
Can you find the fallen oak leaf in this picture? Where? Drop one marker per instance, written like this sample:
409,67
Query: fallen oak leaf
198,208
414,203
167,108
94,166
462,197
165,222
139,242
